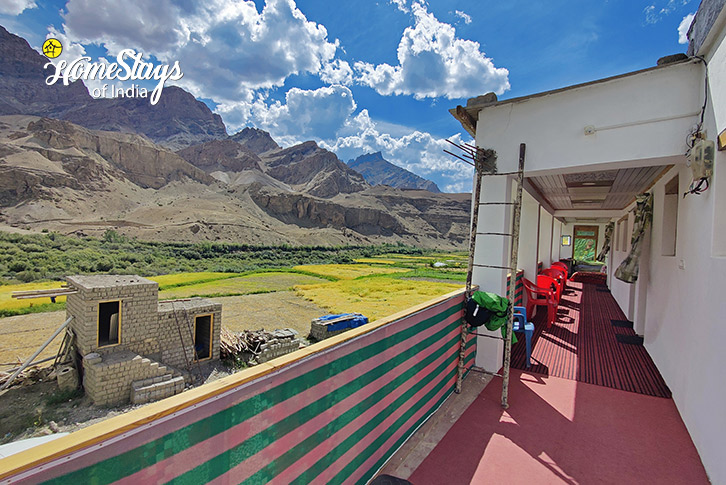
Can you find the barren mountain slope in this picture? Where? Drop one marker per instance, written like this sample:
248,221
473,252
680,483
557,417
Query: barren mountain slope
61,177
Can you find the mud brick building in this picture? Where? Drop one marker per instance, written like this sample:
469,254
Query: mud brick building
133,347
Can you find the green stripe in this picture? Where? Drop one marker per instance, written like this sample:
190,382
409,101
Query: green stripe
233,456
309,475
369,473
132,461
355,437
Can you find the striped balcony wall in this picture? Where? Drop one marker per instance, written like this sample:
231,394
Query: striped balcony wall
518,288
332,412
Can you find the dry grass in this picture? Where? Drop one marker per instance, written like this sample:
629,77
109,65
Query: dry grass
182,279
347,271
283,309
21,335
241,285
373,297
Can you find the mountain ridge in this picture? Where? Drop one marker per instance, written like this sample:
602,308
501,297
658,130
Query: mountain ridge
379,171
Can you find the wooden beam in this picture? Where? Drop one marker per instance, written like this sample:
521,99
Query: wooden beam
466,120
24,295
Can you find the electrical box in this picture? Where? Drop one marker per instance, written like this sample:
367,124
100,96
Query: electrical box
700,158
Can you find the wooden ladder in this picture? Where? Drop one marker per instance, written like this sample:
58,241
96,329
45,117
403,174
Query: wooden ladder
485,166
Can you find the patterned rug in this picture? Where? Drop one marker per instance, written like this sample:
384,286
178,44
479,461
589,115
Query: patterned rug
582,345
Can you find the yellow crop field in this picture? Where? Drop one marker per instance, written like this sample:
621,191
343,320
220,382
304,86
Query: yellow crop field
373,297
347,271
9,303
374,261
241,285
180,279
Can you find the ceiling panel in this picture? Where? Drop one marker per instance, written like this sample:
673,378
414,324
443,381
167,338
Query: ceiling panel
607,189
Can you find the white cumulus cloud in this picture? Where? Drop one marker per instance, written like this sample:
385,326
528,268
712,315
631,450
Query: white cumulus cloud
433,62
225,49
15,7
328,115
337,72
464,16
683,28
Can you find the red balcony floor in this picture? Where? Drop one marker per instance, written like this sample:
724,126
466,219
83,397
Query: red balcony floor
586,412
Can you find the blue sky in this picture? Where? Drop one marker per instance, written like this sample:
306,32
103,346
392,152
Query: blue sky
362,76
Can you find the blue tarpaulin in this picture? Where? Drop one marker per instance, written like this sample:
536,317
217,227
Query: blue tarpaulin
355,320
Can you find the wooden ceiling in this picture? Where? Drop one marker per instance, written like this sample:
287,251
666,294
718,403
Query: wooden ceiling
608,189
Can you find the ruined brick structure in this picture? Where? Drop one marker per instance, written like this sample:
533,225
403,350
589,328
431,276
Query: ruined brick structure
134,347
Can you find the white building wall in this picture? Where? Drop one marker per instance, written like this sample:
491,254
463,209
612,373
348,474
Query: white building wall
556,241
545,237
630,115
686,299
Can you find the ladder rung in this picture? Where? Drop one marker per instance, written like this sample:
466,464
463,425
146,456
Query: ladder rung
485,335
492,266
499,173
494,234
497,203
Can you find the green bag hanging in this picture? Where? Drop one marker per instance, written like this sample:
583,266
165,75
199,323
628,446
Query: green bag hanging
498,306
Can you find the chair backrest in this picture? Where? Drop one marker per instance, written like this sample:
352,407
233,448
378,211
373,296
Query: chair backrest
558,264
535,292
544,281
556,273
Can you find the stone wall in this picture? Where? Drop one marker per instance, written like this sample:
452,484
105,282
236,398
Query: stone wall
152,335
108,378
139,303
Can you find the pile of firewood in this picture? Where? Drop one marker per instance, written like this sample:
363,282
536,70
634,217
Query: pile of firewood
29,376
247,344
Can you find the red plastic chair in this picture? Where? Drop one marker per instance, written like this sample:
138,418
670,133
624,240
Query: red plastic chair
558,274
537,296
546,281
562,266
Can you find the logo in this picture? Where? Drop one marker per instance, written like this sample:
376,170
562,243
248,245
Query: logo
129,66
52,48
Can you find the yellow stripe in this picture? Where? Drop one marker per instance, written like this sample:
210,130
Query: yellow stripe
117,425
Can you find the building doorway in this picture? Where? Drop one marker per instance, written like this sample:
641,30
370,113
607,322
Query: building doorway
585,243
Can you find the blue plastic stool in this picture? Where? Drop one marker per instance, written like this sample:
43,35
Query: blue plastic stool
520,324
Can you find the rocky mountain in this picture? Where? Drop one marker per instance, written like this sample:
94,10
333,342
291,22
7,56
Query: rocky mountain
60,172
176,121
22,82
303,168
58,176
379,171
256,141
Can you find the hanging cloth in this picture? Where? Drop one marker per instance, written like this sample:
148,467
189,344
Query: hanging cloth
498,306
628,269
606,244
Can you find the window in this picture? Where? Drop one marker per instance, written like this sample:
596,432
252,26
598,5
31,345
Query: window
670,218
203,337
109,323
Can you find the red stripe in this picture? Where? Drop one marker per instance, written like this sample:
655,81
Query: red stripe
203,451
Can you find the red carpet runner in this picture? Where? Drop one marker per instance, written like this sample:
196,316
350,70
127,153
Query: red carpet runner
581,345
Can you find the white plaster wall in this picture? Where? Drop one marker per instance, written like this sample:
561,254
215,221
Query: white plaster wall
556,241
545,237
685,331
529,235
668,92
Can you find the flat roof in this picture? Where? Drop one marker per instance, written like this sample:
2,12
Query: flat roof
89,282
472,109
